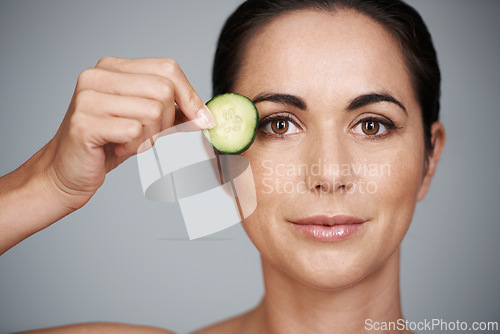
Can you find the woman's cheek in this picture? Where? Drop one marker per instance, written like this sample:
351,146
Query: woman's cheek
275,188
263,176
269,180
397,188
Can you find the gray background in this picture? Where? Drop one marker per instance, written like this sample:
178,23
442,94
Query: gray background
123,258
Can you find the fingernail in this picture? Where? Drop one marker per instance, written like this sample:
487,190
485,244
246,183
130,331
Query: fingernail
206,118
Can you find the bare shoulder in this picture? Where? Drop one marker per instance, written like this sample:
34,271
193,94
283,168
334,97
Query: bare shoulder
233,325
237,324
101,327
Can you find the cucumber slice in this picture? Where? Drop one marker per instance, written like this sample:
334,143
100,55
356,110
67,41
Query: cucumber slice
236,119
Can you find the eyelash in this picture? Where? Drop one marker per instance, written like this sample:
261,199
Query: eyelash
387,123
277,117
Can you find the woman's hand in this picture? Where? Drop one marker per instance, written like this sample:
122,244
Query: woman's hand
116,106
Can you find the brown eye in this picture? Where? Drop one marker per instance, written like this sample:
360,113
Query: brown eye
370,128
279,126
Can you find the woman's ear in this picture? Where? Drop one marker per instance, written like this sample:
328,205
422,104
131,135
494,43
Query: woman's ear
438,138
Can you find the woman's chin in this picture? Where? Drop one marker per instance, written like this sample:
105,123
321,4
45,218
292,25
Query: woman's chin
325,272
326,269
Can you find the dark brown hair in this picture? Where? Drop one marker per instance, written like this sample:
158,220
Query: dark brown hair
400,19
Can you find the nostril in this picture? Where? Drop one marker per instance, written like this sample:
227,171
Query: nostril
322,186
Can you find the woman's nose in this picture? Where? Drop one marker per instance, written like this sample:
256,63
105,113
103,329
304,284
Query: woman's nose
329,164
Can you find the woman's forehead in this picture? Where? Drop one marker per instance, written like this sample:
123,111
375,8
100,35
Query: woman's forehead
324,49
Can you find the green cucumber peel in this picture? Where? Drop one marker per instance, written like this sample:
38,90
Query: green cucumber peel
236,119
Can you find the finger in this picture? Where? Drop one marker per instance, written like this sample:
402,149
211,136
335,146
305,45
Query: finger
125,133
148,86
99,130
185,96
147,112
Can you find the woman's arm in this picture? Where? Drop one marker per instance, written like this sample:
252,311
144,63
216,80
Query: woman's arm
116,106
29,201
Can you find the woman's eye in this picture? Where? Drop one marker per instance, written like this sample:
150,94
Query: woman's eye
370,128
280,126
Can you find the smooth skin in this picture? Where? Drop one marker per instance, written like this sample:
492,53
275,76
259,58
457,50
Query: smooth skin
326,60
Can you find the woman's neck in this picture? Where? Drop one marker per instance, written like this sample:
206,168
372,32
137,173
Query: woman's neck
290,306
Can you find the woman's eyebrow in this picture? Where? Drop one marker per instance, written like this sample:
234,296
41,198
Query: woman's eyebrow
356,103
289,99
366,99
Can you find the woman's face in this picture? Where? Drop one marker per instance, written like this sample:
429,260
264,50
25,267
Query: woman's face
340,143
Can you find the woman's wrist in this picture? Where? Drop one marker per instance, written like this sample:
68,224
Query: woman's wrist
30,201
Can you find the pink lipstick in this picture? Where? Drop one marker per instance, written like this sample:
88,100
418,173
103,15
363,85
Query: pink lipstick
329,228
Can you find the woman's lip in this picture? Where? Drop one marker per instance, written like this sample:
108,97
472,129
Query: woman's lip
325,220
329,228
